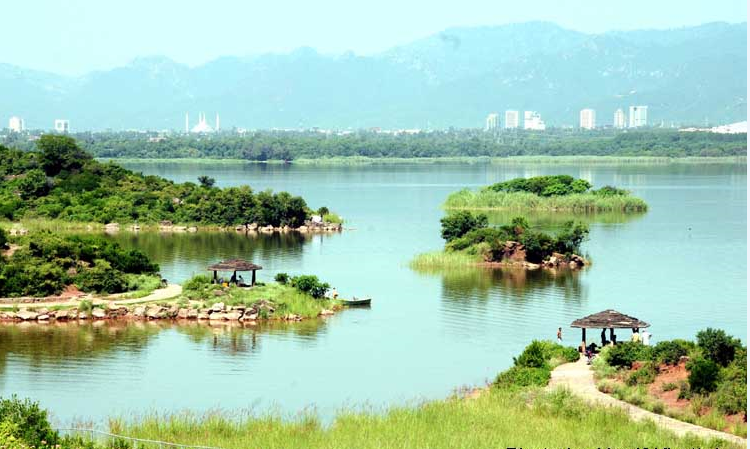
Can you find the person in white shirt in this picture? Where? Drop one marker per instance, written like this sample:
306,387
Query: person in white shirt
646,337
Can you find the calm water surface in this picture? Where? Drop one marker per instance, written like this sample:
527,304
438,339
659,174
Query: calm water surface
681,266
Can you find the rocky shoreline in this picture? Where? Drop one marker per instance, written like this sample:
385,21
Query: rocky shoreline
513,255
261,310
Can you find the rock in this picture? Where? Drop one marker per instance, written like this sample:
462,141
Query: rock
302,228
292,317
240,308
139,311
26,315
240,228
232,316
218,307
172,311
112,306
98,313
326,312
573,265
179,228
192,314
249,317
216,316
203,315
42,311
61,314
182,313
7,316
44,317
192,229
83,316
155,312
252,226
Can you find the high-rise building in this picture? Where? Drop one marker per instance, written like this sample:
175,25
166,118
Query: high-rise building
533,121
511,119
638,116
619,121
62,125
587,118
492,122
16,124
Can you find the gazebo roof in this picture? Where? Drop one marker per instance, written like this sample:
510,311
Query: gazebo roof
234,265
608,319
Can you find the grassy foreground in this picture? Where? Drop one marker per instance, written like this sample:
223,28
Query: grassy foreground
583,202
498,418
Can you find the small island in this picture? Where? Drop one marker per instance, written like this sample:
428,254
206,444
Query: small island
546,193
60,184
471,241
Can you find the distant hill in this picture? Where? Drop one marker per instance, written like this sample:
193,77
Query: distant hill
453,78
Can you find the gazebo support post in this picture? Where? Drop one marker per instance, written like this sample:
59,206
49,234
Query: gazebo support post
252,281
215,278
583,339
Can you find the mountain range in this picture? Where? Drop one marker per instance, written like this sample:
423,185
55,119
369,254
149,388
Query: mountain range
453,78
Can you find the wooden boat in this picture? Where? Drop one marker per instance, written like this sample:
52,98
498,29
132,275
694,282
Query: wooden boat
354,302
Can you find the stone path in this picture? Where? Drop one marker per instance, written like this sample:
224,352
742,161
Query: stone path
579,379
161,294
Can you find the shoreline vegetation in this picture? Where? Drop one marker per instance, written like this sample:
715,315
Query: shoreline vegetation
292,145
60,181
515,409
470,241
546,193
507,160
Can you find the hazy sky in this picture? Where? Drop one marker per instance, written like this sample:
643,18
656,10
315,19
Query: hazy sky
76,36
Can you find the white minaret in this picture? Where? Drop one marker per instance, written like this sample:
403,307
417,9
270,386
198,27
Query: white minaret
187,123
217,121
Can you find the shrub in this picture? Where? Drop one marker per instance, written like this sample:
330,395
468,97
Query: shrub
731,397
197,282
3,238
85,306
717,346
684,390
311,285
704,375
281,278
29,421
669,352
669,386
456,224
522,376
102,278
533,356
624,354
643,375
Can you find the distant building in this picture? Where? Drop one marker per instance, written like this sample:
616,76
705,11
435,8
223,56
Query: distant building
202,126
619,121
511,119
587,118
16,124
533,121
62,126
638,116
492,122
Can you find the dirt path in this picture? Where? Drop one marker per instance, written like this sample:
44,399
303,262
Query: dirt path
161,294
579,379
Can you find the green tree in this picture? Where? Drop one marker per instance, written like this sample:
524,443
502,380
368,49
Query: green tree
456,224
206,181
33,184
60,153
717,346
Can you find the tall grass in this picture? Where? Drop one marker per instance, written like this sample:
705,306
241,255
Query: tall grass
498,418
520,201
442,259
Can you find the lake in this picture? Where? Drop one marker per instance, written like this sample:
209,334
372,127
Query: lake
681,267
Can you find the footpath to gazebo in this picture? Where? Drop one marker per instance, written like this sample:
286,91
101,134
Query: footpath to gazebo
579,379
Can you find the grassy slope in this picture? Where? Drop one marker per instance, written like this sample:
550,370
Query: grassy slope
490,200
442,259
523,418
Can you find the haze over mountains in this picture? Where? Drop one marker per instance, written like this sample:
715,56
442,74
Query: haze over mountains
453,78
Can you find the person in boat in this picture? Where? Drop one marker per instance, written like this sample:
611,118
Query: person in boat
559,335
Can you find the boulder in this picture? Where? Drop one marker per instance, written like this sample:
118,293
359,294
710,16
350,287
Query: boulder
192,314
172,311
192,229
233,315
155,312
572,265
217,307
42,311
252,226
83,316
292,317
60,314
44,317
98,313
7,316
217,316
139,311
302,228
326,312
26,315
182,313
249,317
202,315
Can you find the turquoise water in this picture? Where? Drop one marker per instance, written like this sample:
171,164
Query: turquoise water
681,267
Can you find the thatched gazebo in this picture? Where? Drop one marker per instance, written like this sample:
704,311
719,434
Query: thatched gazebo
235,265
608,319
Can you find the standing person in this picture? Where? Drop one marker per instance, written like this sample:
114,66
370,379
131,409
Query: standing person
334,293
646,337
636,337
604,338
559,335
